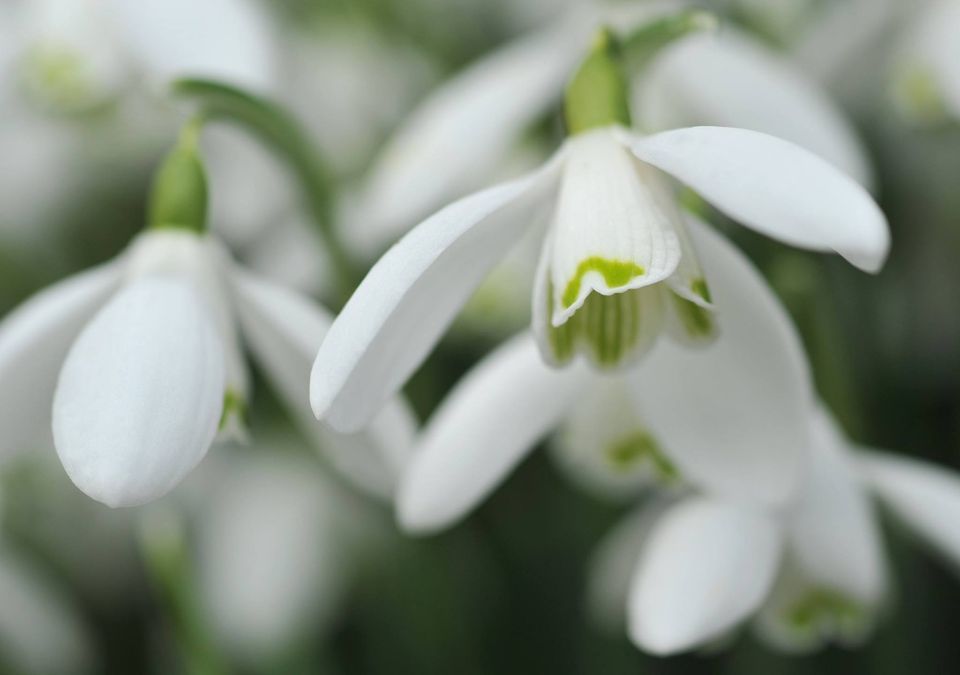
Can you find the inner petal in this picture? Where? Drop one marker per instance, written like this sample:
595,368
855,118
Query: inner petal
610,330
615,226
605,445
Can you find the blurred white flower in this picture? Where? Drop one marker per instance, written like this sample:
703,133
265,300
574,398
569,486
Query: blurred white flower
809,573
65,64
612,232
730,417
40,630
278,546
927,62
721,79
141,358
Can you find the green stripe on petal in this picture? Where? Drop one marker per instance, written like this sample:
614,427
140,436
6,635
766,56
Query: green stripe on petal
690,323
610,330
828,613
615,273
629,452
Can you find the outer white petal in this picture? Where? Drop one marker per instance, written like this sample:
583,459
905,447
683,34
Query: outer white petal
707,566
284,329
729,79
458,136
733,416
34,341
201,261
774,187
614,562
833,532
924,496
413,293
140,394
490,421
219,39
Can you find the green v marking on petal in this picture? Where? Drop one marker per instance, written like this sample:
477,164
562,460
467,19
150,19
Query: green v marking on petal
823,604
615,273
233,405
630,451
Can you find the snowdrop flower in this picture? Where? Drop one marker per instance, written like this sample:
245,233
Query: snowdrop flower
927,63
809,573
73,56
64,64
617,263
710,79
730,417
142,359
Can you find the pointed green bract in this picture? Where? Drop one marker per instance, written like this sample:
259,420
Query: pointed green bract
597,95
234,406
178,199
696,321
699,286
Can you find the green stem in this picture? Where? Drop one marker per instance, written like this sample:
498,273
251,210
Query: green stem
282,135
166,556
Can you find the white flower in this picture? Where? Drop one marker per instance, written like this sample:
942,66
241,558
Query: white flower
616,262
142,361
105,58
810,573
278,546
468,124
730,418
927,62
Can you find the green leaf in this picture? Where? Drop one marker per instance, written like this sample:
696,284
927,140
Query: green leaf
640,46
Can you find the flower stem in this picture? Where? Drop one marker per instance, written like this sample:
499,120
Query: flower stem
281,134
165,552
644,42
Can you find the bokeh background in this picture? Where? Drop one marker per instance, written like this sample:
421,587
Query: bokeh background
293,571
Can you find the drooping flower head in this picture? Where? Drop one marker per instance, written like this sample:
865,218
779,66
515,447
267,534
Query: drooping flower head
143,359
617,266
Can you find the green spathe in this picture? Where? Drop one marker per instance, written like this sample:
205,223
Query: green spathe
178,199
597,95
